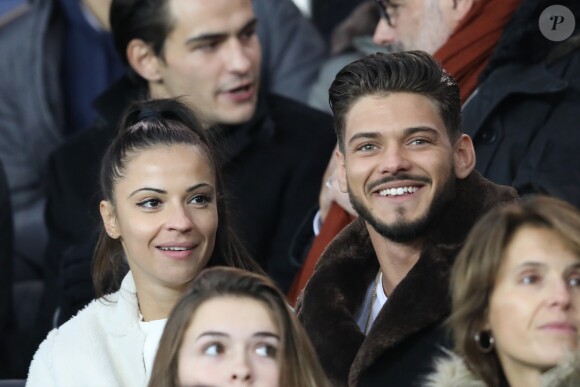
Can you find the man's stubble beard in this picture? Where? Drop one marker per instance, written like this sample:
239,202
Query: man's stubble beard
402,231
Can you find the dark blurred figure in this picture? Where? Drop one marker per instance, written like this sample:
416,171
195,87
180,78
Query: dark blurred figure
6,257
58,56
350,40
328,14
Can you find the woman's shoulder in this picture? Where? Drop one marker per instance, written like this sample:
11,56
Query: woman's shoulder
83,324
81,339
450,370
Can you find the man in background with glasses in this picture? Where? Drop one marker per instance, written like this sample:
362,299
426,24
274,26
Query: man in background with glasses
461,34
518,84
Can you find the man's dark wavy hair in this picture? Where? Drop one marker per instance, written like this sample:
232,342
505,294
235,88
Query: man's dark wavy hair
381,74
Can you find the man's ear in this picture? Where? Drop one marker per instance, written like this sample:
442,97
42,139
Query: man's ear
463,156
456,10
143,60
109,218
340,170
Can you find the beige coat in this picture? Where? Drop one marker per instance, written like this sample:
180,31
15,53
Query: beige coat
451,371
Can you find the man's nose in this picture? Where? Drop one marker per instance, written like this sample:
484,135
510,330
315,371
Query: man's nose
384,35
394,160
238,60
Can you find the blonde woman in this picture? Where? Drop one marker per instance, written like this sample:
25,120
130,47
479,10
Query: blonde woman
516,300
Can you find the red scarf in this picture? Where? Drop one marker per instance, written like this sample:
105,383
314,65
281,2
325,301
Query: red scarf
468,49
335,221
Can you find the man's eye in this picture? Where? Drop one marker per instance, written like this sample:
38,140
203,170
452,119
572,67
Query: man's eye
267,350
419,141
248,34
366,147
214,349
150,203
207,47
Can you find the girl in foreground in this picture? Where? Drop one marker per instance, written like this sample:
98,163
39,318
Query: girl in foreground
234,328
162,201
516,300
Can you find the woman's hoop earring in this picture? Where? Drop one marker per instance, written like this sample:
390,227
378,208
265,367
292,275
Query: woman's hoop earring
484,341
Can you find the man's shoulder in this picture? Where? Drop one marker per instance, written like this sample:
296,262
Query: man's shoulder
20,17
300,126
283,109
87,145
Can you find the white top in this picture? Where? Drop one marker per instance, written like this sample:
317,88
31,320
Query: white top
304,6
317,223
362,315
153,331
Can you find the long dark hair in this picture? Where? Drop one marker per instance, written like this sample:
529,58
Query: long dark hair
147,124
299,366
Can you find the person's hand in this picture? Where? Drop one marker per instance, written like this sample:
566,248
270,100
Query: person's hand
361,22
330,191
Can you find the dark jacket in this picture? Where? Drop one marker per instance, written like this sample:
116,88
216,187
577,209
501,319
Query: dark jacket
524,117
6,263
406,334
31,118
272,167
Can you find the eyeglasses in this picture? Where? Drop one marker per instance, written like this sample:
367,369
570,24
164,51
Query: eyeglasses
387,10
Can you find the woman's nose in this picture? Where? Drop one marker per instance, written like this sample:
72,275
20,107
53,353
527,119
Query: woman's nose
241,371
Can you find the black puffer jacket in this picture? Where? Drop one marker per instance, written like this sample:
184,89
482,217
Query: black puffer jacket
524,117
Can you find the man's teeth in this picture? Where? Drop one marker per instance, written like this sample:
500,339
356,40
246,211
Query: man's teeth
398,191
175,248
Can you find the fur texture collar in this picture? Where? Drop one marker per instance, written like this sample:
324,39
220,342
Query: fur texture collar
349,264
451,371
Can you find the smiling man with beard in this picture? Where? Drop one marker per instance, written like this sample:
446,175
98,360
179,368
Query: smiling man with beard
374,305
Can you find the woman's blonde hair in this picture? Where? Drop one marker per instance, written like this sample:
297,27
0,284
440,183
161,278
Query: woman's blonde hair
477,265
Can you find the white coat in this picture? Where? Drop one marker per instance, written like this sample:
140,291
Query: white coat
101,346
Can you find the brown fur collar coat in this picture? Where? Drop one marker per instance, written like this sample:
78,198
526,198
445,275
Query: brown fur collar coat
452,371
349,264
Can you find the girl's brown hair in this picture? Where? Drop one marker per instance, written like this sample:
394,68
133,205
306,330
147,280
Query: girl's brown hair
299,366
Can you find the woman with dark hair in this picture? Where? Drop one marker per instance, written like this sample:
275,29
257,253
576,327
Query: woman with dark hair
161,204
234,327
516,300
